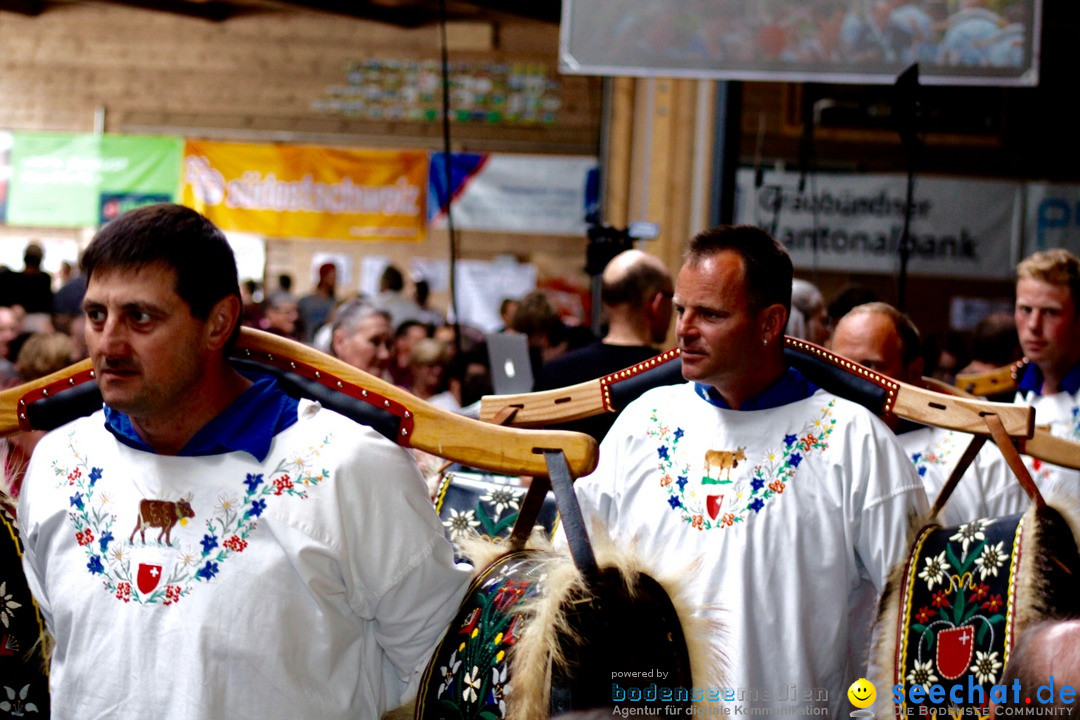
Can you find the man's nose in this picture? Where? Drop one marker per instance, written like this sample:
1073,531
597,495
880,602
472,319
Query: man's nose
112,337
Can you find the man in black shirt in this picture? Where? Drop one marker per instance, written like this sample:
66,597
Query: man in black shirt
636,290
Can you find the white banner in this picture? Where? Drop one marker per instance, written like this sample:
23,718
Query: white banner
535,194
805,40
482,286
1052,217
960,227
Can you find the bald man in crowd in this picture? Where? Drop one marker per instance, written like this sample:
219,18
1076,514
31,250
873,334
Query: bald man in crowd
1047,653
636,290
884,339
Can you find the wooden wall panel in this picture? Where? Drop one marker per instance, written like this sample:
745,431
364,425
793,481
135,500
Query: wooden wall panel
257,74
255,78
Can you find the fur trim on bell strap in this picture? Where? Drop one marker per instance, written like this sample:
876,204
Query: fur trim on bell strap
1042,576
539,648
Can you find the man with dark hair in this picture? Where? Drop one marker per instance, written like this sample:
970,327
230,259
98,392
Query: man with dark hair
635,291
392,297
994,344
789,504
315,578
315,307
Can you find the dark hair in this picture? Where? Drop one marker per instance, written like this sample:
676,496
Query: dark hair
995,341
422,291
403,329
178,238
765,261
391,279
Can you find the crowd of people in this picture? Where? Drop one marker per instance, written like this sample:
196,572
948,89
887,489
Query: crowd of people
315,577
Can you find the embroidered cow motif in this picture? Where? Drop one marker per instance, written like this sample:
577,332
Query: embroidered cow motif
162,514
149,575
723,460
702,504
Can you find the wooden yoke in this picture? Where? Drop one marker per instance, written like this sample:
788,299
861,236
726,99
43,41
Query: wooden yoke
411,421
836,374
990,382
1042,445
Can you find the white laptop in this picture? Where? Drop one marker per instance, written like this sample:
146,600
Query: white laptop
511,371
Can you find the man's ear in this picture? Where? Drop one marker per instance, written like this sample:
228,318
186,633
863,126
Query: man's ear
774,320
223,318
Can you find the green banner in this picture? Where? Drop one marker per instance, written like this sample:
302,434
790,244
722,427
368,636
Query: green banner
59,180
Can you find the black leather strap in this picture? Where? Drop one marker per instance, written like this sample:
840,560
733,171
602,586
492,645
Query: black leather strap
817,370
81,400
570,514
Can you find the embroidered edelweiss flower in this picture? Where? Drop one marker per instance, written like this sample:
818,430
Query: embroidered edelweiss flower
934,572
991,558
499,688
460,523
7,605
227,503
986,666
969,533
448,672
472,684
16,704
188,556
502,498
922,674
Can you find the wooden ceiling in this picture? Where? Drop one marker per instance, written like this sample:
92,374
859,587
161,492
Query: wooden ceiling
400,13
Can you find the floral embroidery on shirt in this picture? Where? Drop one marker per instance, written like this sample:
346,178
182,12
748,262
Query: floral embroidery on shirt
171,570
723,502
938,453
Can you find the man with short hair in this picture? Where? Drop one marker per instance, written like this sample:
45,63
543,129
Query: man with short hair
1048,325
281,315
315,307
635,291
788,505
313,578
884,339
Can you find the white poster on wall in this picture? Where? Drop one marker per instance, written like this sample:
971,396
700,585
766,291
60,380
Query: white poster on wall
250,253
482,286
535,194
1051,217
847,222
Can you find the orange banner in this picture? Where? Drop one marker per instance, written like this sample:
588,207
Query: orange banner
306,191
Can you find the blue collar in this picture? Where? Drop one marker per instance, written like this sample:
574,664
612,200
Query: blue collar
249,424
1032,380
791,387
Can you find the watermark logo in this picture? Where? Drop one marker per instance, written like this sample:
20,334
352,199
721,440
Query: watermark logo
862,695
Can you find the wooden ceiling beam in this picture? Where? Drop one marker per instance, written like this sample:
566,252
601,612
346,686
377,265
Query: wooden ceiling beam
214,10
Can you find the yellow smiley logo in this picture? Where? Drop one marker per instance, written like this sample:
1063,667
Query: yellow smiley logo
862,693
